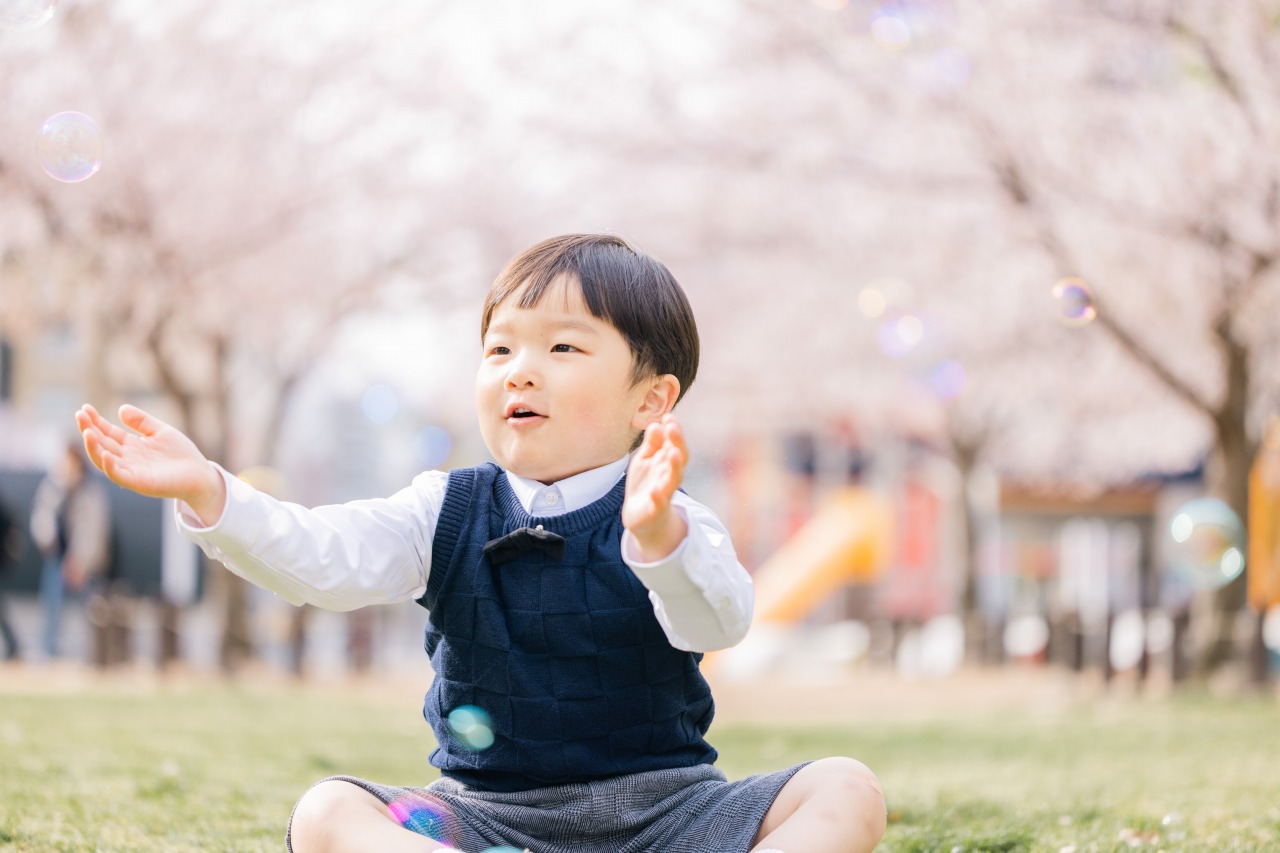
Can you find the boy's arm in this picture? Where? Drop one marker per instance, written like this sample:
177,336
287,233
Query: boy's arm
337,557
680,551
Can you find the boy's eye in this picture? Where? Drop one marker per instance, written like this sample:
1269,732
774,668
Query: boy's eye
499,350
564,348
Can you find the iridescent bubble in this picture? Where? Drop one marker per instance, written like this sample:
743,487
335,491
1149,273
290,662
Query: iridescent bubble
380,403
472,727
70,147
890,32
433,445
19,16
871,302
947,379
1175,828
1208,542
426,815
1074,302
899,334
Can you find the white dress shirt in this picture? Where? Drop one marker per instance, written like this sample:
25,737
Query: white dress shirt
345,556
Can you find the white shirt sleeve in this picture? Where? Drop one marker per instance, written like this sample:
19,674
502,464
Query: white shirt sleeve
702,595
338,557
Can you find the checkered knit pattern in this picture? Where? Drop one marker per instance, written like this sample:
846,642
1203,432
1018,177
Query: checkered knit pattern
566,656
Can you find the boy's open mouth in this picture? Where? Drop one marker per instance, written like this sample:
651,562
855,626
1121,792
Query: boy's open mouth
515,411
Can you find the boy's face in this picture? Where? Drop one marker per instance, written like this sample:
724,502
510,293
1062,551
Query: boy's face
554,393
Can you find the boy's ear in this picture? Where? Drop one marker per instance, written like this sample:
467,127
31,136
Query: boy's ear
664,390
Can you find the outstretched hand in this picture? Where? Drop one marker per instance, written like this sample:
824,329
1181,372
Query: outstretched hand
655,473
152,458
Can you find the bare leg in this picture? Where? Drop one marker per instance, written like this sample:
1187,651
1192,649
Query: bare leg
338,817
830,806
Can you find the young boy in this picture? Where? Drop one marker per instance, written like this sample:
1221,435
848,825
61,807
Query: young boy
572,590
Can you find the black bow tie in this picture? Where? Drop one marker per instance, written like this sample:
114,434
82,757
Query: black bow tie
525,539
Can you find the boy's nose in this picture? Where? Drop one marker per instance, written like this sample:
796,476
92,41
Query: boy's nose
521,375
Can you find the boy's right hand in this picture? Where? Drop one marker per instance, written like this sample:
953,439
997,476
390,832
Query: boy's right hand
155,459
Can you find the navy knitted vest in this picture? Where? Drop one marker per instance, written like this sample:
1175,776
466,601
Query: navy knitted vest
565,656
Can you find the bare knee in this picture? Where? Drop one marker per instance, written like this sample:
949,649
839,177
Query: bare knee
326,805
856,787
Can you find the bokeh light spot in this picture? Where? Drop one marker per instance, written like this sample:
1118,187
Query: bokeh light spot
1074,302
380,404
1271,629
70,147
947,379
890,31
19,16
899,334
1026,636
426,815
831,5
472,727
1208,543
432,444
871,302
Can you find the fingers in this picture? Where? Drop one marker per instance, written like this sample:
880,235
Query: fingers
138,420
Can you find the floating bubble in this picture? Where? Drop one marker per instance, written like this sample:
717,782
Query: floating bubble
472,727
1074,302
947,379
70,147
1209,543
1175,828
19,16
871,302
890,31
380,403
900,334
426,815
433,445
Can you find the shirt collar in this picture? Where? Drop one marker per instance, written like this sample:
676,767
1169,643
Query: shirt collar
570,493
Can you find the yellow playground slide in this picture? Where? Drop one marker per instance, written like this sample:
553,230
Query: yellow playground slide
848,539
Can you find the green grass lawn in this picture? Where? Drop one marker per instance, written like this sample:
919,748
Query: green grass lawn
218,768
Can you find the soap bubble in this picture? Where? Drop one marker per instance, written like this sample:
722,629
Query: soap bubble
472,727
380,404
1074,302
70,147
899,334
947,379
1208,542
890,32
19,16
432,445
426,815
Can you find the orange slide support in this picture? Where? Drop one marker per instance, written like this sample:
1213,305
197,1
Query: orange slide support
849,539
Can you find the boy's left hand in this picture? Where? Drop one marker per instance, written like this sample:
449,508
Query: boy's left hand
655,473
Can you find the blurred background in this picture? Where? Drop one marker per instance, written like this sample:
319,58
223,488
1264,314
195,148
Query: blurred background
987,293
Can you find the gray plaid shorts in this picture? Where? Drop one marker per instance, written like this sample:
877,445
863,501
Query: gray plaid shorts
681,810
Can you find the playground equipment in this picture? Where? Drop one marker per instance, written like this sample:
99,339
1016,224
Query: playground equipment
848,540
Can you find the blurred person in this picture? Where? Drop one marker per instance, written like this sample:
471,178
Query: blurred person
10,551
572,589
70,524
